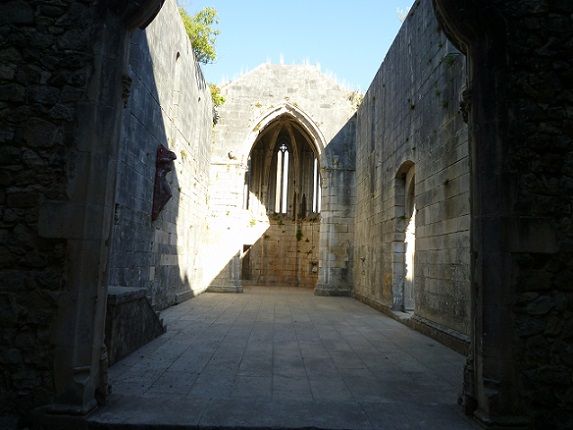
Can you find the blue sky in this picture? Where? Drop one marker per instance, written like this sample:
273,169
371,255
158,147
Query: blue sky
348,38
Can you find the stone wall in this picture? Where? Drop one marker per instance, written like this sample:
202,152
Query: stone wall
130,322
62,76
337,239
60,83
307,98
409,126
538,94
169,104
519,371
61,67
286,255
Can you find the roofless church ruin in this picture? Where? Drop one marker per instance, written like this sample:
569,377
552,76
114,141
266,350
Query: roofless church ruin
441,199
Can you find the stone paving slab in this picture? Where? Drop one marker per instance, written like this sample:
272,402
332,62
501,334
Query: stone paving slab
283,358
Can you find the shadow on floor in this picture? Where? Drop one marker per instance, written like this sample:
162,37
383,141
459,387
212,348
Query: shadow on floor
284,358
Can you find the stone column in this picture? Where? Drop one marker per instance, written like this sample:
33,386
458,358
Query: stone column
521,231
84,218
85,221
336,233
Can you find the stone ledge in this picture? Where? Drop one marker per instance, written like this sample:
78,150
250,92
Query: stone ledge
225,289
324,291
119,295
451,338
183,296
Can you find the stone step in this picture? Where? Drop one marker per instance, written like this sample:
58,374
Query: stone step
173,412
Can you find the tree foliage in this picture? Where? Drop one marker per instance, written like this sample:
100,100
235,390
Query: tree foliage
216,96
199,28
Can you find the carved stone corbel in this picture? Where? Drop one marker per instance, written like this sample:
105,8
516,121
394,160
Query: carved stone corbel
161,191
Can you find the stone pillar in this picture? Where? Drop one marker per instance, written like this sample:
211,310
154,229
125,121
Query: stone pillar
336,233
85,221
68,103
227,225
84,216
516,375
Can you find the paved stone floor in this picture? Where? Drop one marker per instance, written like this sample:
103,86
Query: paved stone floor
283,358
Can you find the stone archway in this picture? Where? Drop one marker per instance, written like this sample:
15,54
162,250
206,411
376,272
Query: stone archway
282,184
293,113
77,334
518,215
515,228
335,244
490,357
403,247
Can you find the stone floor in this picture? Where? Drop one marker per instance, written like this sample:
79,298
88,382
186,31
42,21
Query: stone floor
283,358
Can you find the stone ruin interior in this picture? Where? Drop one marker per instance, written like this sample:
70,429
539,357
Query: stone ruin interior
442,199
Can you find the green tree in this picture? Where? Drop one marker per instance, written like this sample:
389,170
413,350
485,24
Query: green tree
199,28
216,96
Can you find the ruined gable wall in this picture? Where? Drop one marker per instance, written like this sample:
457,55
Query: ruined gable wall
169,104
253,95
410,113
248,100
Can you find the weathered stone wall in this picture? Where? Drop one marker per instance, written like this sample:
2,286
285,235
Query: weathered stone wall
60,106
62,75
519,371
337,240
130,322
538,93
169,104
59,67
305,96
286,255
410,122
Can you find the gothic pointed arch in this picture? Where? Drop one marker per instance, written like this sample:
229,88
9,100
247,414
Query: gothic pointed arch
283,165
295,115
283,187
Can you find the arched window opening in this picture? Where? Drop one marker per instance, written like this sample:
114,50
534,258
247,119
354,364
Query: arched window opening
409,242
282,195
177,93
404,243
316,193
246,185
282,172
